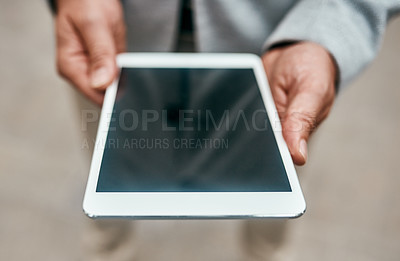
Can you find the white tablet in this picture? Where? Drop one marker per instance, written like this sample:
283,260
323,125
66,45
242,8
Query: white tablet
191,136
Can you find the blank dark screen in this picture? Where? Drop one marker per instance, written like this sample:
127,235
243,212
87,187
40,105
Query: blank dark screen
190,130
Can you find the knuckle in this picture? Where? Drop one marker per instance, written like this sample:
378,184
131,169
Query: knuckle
308,120
300,121
90,19
100,55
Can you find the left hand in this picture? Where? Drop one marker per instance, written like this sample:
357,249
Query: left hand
302,80
89,34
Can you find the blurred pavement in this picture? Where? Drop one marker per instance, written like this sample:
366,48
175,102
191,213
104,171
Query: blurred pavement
351,183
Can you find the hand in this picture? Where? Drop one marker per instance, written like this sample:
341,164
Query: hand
302,79
89,35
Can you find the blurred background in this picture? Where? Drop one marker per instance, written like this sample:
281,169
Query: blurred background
351,183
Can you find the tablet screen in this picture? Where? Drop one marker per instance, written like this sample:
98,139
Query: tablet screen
190,130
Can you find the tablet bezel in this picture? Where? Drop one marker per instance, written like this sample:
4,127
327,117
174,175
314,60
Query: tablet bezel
163,205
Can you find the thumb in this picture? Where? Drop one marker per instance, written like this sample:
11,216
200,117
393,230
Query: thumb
300,119
101,50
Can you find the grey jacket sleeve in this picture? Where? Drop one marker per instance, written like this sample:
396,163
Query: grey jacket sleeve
53,5
351,30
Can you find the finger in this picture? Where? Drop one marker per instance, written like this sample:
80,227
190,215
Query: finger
280,98
99,41
279,93
120,36
305,111
72,61
71,68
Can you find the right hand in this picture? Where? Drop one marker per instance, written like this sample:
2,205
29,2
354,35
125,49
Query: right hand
89,34
302,78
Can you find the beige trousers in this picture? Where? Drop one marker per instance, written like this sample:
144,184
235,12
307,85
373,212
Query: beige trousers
115,239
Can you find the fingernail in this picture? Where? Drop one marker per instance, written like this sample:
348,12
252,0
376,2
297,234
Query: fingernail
303,149
99,77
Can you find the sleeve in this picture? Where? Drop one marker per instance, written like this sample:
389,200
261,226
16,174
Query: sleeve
52,5
351,30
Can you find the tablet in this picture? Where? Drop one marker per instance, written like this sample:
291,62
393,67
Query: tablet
191,136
